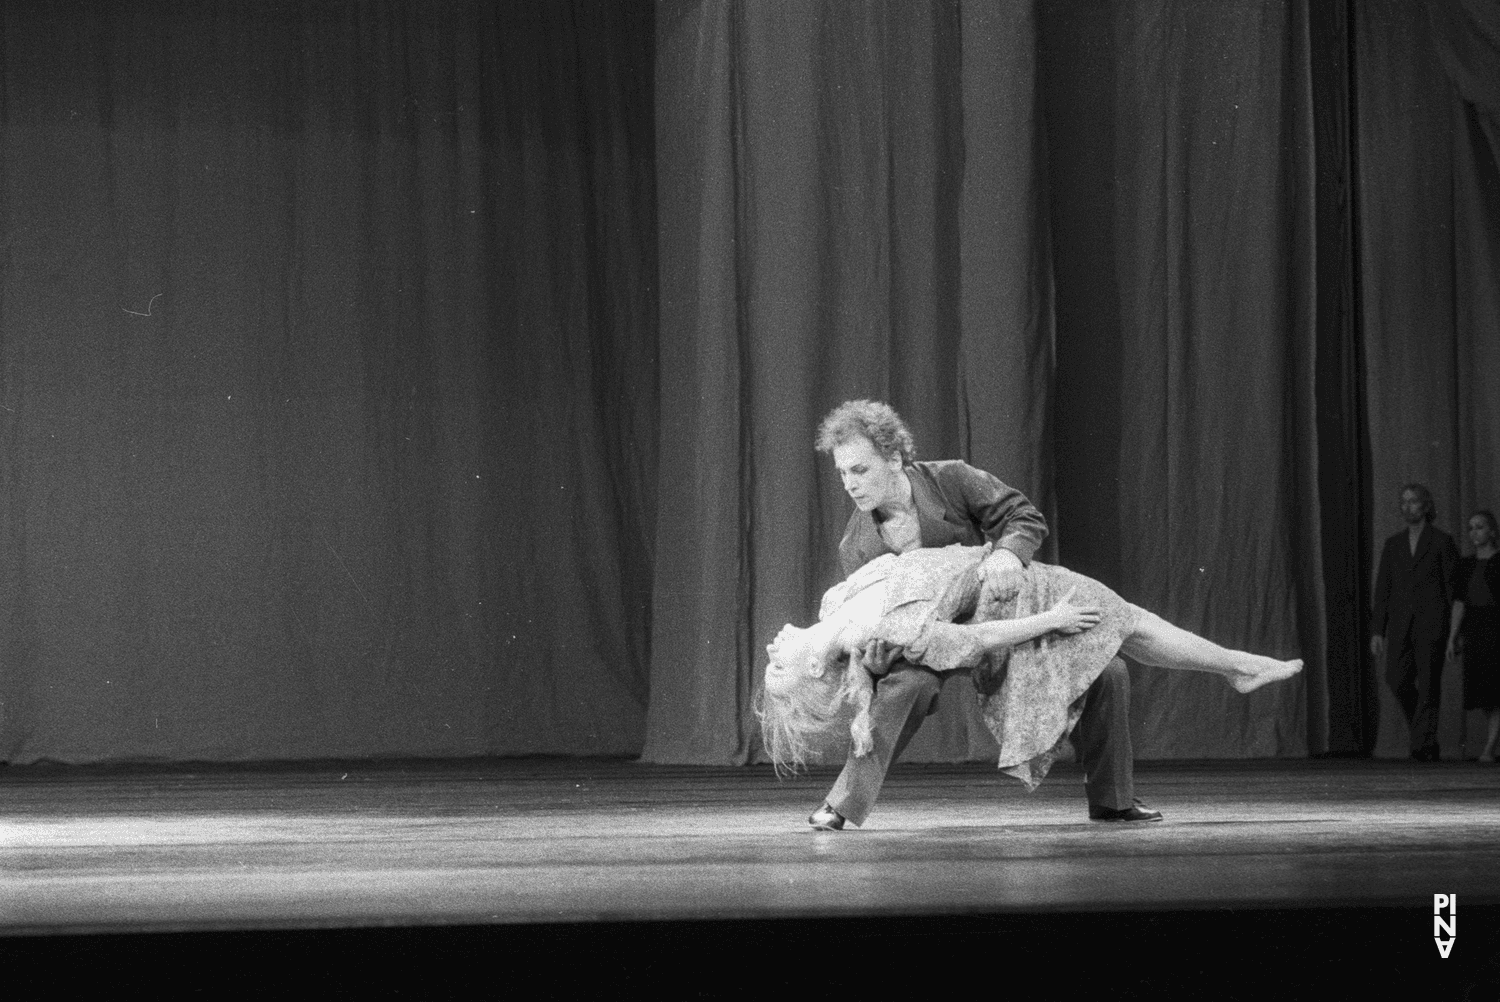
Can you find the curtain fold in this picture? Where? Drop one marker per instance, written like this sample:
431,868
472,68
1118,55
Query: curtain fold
1218,526
1346,708
327,379
1466,36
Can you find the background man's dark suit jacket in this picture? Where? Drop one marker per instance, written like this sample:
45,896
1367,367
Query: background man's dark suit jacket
1414,591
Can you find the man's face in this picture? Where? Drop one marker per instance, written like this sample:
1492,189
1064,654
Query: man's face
872,480
1412,508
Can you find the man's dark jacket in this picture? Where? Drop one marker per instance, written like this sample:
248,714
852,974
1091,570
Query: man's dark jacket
955,504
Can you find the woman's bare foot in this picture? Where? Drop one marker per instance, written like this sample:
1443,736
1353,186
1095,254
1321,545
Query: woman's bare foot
1254,672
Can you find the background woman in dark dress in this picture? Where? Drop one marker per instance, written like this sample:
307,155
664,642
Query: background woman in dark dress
1476,625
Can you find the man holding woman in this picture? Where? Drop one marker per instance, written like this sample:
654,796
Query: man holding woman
903,505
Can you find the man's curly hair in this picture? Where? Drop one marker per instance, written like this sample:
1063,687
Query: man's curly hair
870,419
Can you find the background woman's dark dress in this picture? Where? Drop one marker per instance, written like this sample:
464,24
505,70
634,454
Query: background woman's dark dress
1481,633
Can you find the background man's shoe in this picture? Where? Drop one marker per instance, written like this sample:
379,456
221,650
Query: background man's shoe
1135,812
826,819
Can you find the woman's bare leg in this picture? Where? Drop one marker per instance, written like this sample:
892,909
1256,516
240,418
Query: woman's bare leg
1157,642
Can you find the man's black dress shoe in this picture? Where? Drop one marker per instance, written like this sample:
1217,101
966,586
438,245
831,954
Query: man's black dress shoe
1135,812
826,819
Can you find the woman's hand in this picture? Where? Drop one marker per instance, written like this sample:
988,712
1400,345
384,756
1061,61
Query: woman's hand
1069,618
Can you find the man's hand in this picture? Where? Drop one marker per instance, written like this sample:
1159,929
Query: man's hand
877,656
999,565
1377,645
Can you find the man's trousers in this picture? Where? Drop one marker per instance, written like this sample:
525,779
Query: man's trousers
907,695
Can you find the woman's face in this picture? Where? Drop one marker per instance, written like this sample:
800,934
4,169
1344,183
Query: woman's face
872,480
795,660
1479,532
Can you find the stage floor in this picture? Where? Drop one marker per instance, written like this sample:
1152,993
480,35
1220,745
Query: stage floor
321,845
577,877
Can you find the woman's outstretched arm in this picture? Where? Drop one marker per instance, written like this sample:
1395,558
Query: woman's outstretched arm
945,646
1064,617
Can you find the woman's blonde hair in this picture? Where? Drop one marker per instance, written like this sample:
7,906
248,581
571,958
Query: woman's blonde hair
793,721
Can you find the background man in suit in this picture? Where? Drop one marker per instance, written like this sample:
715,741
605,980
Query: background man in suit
901,505
1413,598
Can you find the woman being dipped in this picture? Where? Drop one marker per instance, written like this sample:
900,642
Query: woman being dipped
1033,651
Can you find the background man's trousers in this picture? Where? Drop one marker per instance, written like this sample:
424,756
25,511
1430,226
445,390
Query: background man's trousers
1414,671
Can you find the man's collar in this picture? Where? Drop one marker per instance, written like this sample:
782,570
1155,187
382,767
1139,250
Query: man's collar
1424,540
929,508
911,492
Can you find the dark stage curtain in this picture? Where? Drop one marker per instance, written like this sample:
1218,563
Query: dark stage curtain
853,204
1427,112
331,414
327,379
